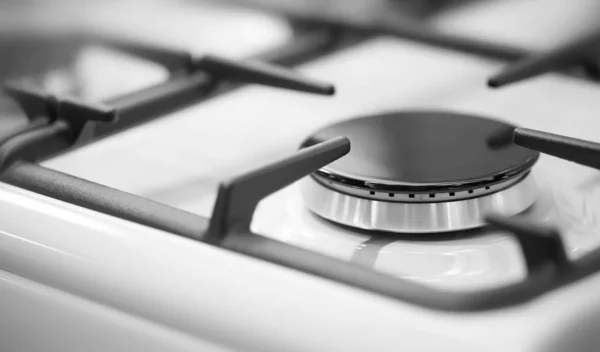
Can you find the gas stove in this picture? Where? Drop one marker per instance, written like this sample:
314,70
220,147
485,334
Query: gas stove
356,186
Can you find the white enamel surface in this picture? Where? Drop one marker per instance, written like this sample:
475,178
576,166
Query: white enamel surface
245,304
39,318
190,25
257,125
529,24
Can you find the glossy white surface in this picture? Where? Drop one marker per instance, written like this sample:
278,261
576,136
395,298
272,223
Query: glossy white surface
245,304
250,305
529,24
184,25
268,124
39,318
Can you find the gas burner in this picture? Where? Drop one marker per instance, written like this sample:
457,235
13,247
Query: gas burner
421,171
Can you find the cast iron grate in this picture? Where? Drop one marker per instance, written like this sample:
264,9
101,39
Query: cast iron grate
58,124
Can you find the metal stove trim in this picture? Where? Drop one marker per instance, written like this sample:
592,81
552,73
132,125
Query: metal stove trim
406,217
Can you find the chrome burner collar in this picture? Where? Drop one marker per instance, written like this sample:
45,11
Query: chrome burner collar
447,194
421,217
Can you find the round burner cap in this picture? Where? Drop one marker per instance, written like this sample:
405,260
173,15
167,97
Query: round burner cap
427,151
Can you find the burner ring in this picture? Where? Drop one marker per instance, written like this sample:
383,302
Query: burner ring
387,193
407,217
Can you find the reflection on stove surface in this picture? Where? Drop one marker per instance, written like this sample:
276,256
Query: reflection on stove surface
463,260
459,260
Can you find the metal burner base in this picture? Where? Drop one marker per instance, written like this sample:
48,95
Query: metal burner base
416,217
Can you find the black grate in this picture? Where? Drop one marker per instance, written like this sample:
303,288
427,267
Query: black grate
58,124
547,265
581,52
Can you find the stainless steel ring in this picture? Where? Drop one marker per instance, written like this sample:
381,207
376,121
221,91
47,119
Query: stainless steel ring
419,197
416,217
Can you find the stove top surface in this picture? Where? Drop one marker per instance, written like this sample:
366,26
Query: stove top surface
166,284
183,171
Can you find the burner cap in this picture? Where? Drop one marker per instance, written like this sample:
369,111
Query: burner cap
423,157
424,151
